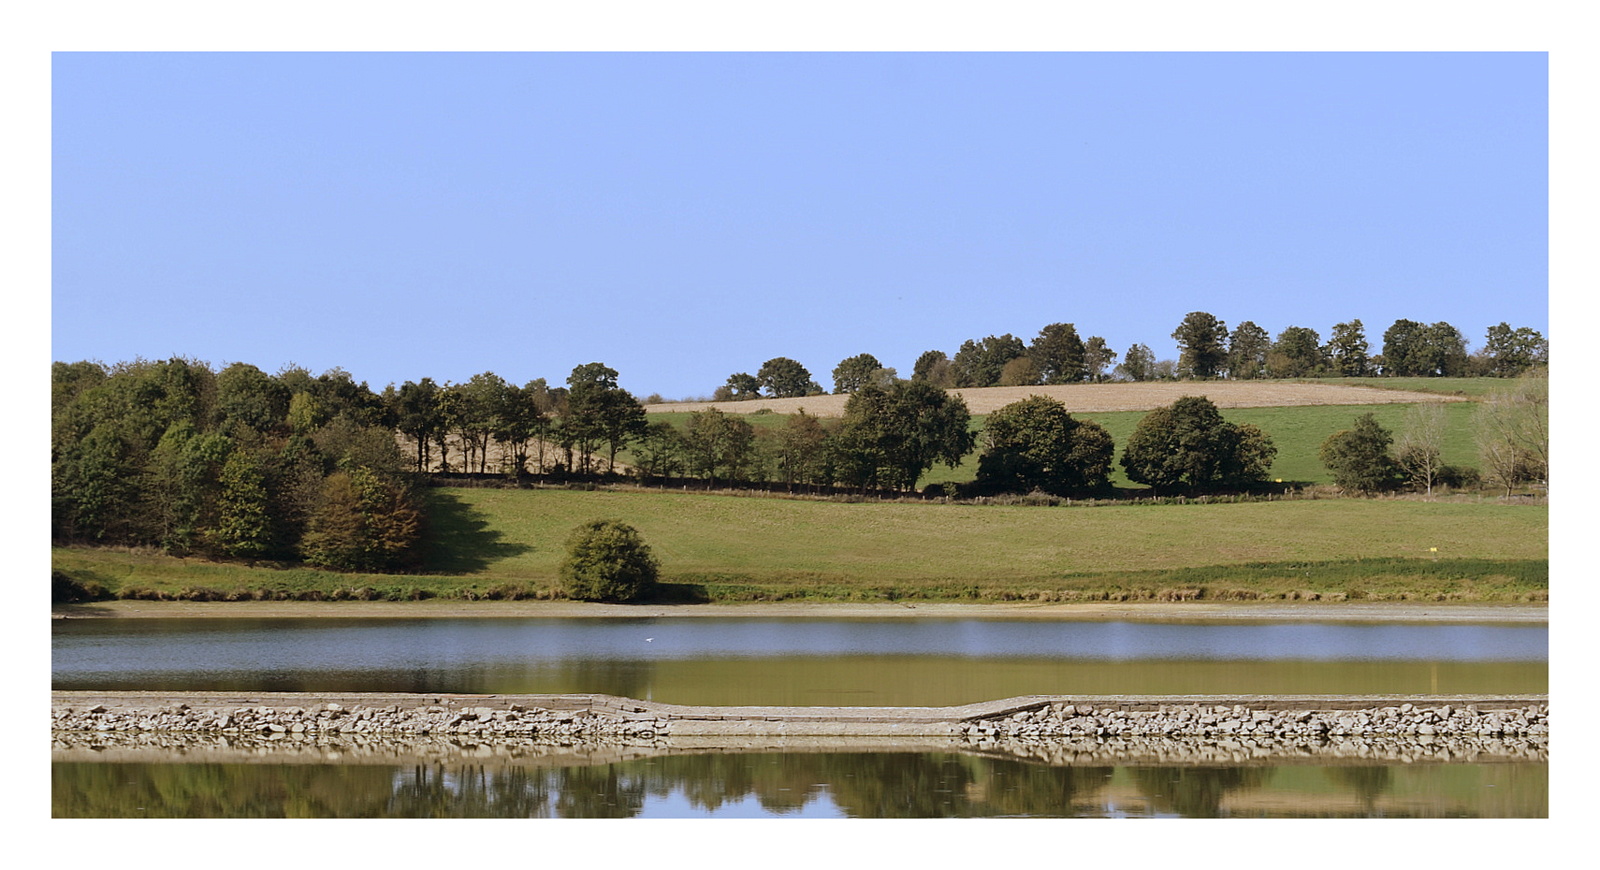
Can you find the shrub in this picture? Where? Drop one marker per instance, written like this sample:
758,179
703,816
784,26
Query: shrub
608,561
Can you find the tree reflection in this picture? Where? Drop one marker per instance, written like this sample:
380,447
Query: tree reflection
1194,792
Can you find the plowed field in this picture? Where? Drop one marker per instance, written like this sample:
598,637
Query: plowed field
1105,397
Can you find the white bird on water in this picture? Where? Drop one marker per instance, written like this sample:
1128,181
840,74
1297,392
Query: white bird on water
649,640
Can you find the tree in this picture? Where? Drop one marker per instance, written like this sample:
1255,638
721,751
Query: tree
742,386
1510,352
802,451
1057,354
1096,356
660,452
715,442
1188,445
784,378
1248,346
599,411
933,367
249,396
1411,349
1020,372
1036,444
1138,364
244,527
607,560
1359,457
1200,339
1420,448
980,363
854,373
1296,354
363,523
1347,350
1513,432
898,432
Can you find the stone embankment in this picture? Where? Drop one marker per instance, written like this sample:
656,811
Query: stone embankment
599,717
1238,720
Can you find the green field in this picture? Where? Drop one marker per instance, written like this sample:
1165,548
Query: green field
507,543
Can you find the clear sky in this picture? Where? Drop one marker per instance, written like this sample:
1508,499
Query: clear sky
681,216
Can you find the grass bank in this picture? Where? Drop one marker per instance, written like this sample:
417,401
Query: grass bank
491,543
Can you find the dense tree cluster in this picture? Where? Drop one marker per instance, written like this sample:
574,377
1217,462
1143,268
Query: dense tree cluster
234,464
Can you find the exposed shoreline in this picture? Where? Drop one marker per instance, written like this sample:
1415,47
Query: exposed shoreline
1434,612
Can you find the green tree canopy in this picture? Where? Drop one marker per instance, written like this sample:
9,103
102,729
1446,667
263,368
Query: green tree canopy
1057,353
1036,444
1347,350
1296,354
1248,346
980,363
785,378
1359,458
1138,364
1188,445
854,373
1201,343
898,432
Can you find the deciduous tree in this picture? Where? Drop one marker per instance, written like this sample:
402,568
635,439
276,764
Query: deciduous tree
1248,346
1359,458
854,373
1188,445
1057,354
785,378
1347,350
979,363
899,432
1036,444
1201,342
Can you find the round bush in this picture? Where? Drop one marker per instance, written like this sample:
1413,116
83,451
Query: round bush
607,561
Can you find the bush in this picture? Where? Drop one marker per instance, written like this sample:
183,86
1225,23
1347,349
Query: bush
64,589
608,561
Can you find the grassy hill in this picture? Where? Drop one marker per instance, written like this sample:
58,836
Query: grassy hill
507,543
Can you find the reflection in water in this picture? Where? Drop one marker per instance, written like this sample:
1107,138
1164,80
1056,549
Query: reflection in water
850,784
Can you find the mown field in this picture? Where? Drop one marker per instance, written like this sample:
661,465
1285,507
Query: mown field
494,543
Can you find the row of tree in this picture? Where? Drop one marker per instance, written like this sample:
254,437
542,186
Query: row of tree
1512,434
1207,349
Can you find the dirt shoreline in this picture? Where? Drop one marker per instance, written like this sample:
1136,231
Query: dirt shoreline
1144,611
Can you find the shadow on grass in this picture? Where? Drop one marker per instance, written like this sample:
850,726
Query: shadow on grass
459,538
677,593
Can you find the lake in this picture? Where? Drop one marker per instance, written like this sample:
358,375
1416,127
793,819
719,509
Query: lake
793,661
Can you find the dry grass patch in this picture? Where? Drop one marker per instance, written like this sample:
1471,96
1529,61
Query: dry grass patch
1084,398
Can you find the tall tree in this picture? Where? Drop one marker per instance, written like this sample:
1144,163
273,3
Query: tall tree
1296,354
1201,342
1057,352
1347,350
717,444
933,367
854,373
249,396
785,378
1248,346
1513,432
903,429
1097,355
1036,444
1138,364
244,529
980,363
1411,349
599,411
1510,352
742,386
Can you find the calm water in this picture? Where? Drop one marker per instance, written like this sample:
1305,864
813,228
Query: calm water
793,661
798,785
796,661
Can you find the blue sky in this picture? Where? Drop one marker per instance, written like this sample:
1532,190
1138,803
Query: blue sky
683,216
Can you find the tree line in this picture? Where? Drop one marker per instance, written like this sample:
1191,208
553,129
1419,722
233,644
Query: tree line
1207,350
